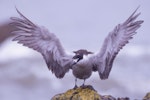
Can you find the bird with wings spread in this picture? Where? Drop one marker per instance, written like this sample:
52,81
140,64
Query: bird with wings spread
59,62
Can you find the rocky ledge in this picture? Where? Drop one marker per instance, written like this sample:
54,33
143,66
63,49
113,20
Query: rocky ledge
89,93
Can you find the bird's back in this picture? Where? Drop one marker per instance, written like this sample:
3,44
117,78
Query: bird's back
82,69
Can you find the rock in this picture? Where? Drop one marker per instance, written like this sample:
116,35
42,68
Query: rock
80,93
89,93
126,98
147,96
108,97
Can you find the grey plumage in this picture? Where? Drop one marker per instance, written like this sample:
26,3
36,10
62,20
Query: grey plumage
59,62
39,39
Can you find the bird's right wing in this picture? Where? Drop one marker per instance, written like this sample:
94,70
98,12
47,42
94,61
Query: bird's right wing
41,40
116,40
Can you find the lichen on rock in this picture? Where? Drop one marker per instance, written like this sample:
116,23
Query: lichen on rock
89,93
80,93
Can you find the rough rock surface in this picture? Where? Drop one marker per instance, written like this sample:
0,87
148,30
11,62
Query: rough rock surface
81,93
89,93
147,96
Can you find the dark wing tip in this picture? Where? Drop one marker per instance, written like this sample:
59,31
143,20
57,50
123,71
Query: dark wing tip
24,17
19,12
136,10
133,16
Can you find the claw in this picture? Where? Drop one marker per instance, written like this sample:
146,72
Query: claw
75,87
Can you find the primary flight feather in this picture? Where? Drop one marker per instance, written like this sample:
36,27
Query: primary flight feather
59,62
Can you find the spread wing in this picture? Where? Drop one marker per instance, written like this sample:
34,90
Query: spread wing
113,43
39,39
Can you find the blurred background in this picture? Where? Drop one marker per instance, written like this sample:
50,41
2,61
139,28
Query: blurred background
79,24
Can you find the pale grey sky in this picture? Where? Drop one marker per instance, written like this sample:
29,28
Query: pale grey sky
73,21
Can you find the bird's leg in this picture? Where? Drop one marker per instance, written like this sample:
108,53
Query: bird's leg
83,83
75,84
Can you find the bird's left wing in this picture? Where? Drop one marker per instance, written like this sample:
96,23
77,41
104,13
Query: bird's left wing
39,39
116,40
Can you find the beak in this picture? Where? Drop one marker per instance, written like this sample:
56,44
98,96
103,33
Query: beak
90,52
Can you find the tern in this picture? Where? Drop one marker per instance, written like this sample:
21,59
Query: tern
59,62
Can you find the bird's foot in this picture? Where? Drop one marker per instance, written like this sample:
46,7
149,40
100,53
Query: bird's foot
75,87
83,86
87,86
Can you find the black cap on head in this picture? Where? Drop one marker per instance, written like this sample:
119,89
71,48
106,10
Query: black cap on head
82,52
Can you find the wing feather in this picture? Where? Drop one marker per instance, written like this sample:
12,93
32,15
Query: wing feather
41,40
114,42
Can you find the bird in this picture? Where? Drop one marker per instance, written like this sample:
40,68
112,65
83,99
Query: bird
83,62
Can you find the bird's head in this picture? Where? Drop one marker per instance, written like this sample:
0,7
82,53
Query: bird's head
80,53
